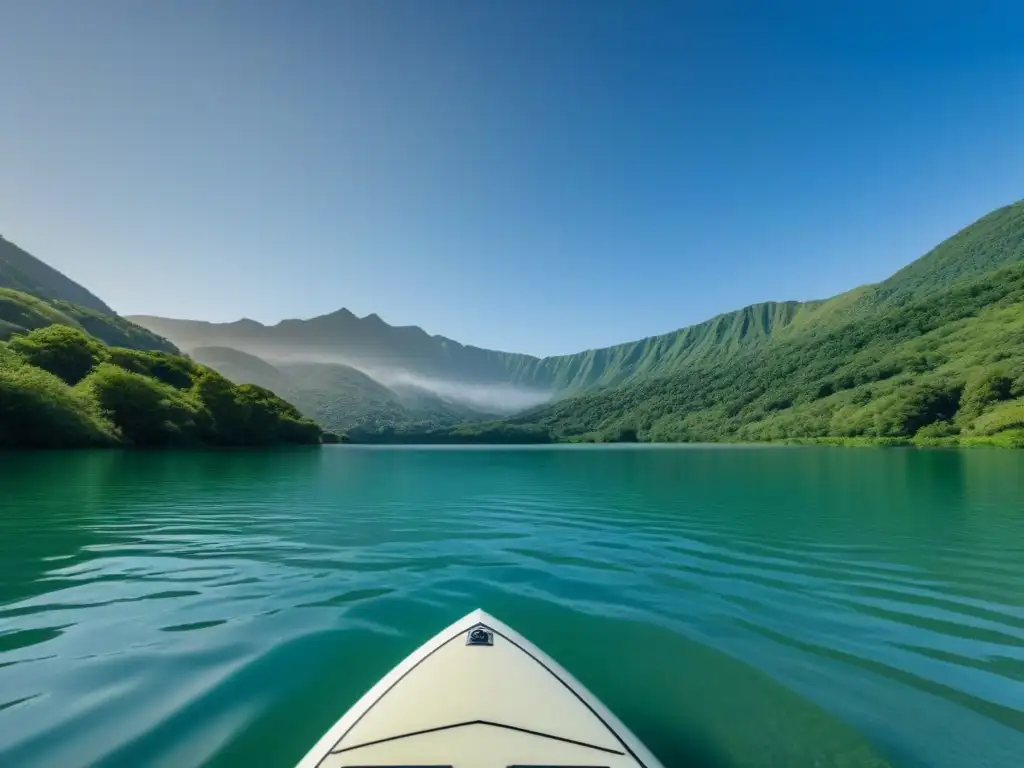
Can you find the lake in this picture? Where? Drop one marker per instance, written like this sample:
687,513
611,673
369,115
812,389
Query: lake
735,606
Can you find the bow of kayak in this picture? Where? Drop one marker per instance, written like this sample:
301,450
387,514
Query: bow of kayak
478,695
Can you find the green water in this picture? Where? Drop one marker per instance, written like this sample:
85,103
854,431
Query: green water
734,606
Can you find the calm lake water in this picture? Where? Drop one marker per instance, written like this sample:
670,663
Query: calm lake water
734,606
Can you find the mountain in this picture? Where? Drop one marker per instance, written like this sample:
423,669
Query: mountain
23,272
389,353
340,398
994,241
367,343
73,373
241,367
933,354
951,363
35,295
840,368
61,388
372,345
509,382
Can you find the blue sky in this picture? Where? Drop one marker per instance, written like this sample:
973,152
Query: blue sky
530,176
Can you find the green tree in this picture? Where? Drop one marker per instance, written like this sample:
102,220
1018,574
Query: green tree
249,414
227,417
913,407
177,371
38,410
147,412
988,386
63,351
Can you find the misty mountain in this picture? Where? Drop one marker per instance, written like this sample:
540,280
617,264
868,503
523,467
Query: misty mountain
339,397
933,355
489,380
504,382
363,374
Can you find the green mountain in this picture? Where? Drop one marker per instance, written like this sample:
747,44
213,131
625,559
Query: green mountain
61,388
513,382
241,367
933,354
372,345
73,373
338,397
23,272
367,343
833,369
34,295
20,313
994,241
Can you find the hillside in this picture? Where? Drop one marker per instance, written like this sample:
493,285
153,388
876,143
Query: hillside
716,339
34,295
339,397
61,388
945,368
930,354
20,312
380,350
370,344
73,373
934,354
23,272
994,241
241,367
366,343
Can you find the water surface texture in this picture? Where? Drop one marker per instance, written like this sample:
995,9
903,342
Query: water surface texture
734,606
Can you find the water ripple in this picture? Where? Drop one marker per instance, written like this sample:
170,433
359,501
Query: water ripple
752,607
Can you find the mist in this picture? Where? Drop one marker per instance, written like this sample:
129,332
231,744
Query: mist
501,399
496,399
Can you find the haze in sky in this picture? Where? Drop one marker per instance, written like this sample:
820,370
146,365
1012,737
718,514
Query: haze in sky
539,176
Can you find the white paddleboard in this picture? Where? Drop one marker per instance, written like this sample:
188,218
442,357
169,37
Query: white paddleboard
479,695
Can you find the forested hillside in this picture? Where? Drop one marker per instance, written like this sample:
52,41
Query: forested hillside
73,373
60,387
339,397
34,295
371,344
934,354
23,272
946,367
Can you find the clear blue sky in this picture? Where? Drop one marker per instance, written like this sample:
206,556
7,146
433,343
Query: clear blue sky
533,176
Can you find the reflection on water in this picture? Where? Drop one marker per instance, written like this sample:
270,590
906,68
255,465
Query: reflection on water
735,606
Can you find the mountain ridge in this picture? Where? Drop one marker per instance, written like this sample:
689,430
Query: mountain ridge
370,344
34,295
21,271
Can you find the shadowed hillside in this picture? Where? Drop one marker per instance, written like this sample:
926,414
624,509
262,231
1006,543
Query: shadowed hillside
34,295
62,388
75,374
20,313
384,351
933,355
338,397
24,272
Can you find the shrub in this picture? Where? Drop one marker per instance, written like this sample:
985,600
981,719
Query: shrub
990,385
177,371
63,351
146,411
38,410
